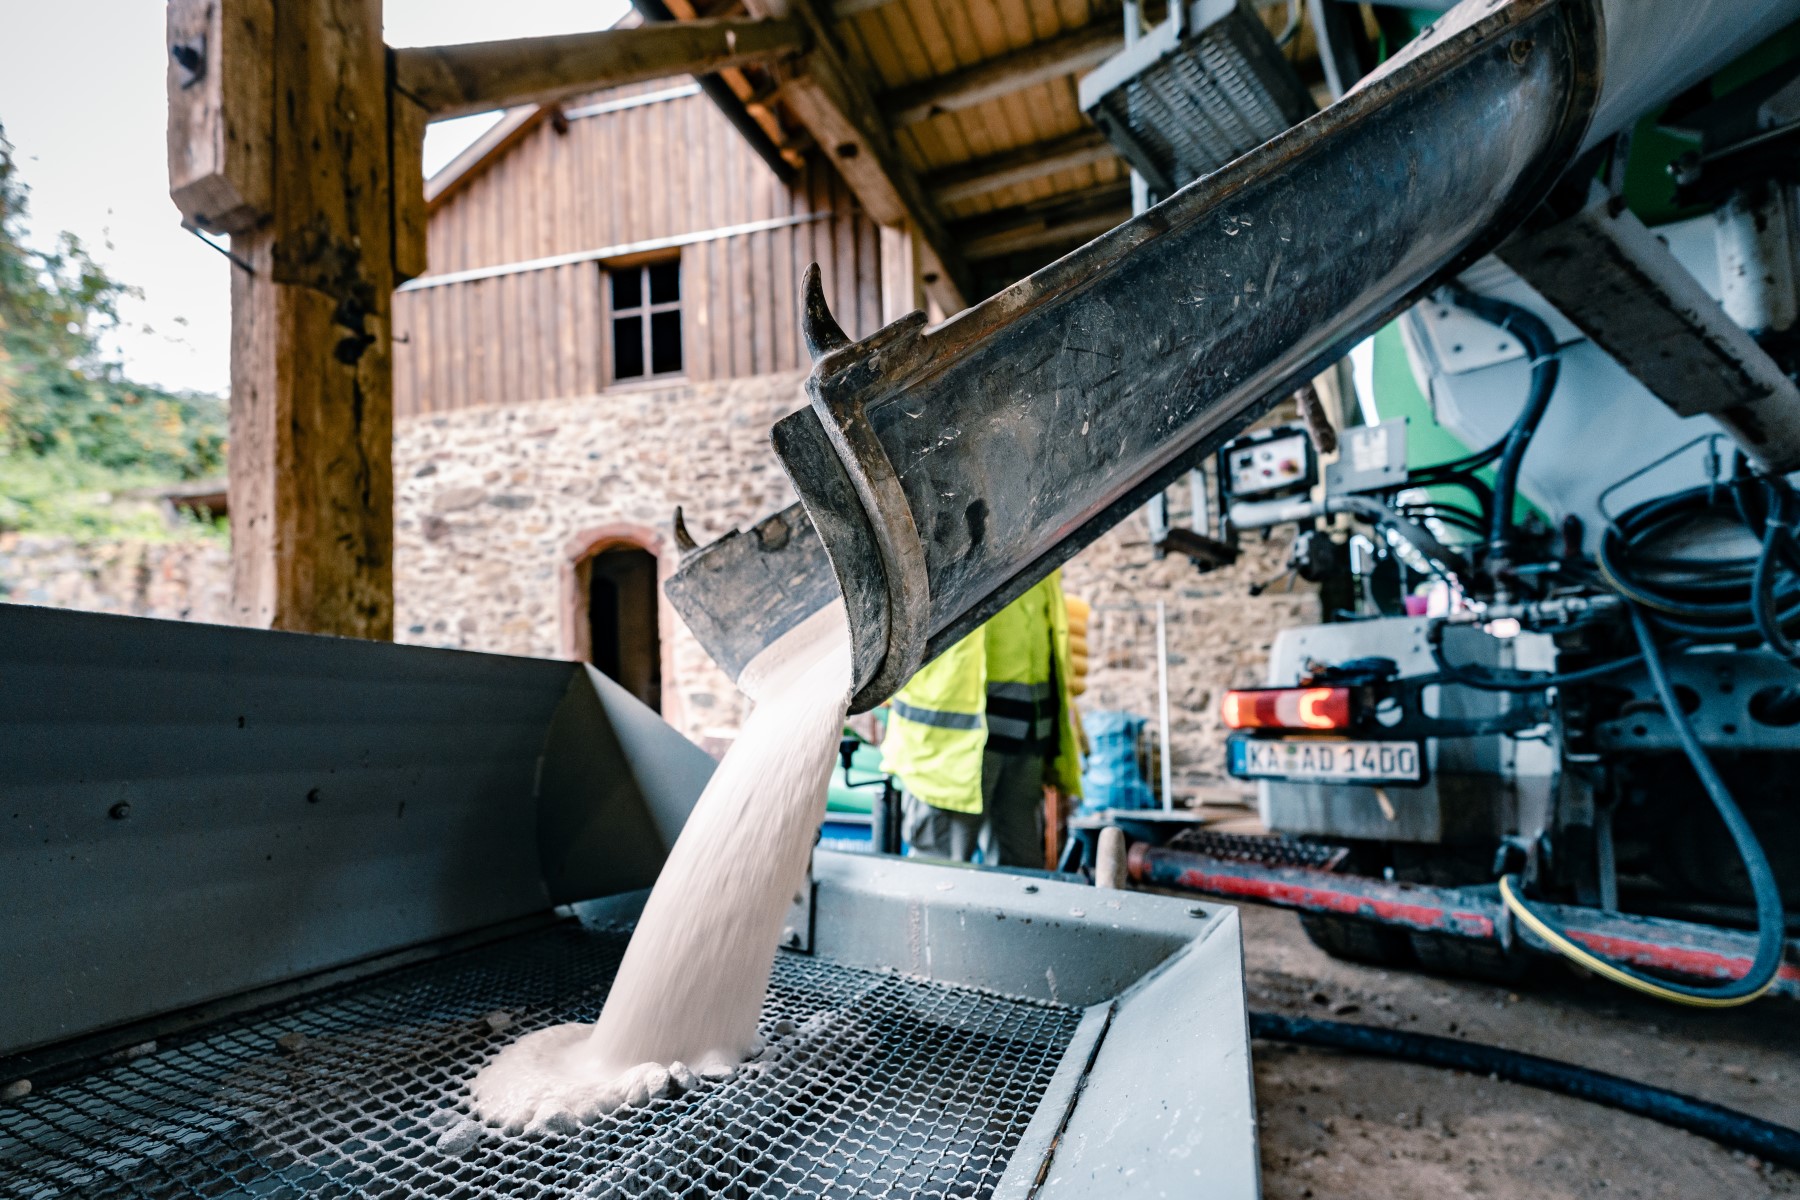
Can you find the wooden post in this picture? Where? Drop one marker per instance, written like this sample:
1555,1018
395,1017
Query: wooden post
407,120
311,381
221,109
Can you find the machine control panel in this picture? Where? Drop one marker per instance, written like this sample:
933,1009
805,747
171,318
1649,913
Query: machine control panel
1268,463
1372,458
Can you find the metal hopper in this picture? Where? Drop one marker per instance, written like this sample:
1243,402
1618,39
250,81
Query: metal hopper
274,899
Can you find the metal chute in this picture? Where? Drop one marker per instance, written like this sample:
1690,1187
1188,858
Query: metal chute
945,470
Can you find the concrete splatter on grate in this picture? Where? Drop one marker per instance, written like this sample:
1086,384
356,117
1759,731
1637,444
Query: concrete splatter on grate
872,1085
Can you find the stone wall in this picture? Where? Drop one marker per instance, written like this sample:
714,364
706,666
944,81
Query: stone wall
176,580
1218,636
493,507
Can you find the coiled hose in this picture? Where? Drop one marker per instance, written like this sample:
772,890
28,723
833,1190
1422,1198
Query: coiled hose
1726,1126
1735,599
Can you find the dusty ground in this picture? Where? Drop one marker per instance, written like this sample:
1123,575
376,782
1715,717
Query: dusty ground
1347,1128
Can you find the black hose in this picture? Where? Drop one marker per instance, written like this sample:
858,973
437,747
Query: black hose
1701,598
1460,471
1466,676
1771,922
1546,365
1762,597
1474,676
1726,1126
1449,514
1777,545
1473,484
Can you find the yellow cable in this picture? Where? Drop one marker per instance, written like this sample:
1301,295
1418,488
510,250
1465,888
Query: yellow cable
1600,966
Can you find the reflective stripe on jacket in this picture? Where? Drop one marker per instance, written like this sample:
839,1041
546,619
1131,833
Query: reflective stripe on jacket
1007,682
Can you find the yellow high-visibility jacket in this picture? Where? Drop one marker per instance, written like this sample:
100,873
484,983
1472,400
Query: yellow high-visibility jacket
1011,677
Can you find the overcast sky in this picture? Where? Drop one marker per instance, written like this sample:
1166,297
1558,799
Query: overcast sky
91,146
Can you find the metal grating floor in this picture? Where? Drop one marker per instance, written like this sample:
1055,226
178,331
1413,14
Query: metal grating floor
1268,850
873,1085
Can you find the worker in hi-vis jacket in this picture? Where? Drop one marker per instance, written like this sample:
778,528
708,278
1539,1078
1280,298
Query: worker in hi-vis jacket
976,735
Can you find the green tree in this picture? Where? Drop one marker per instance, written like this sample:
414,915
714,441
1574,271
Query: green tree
59,394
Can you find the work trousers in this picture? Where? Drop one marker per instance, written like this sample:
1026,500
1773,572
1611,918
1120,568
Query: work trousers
1009,829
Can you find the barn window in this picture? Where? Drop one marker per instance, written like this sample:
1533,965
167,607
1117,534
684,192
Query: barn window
646,319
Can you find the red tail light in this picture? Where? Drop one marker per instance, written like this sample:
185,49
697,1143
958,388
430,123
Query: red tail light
1317,708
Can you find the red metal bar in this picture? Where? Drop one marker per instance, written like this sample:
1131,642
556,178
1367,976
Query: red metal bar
1701,952
1410,906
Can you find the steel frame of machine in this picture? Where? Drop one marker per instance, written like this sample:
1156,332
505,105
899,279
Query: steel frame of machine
1474,914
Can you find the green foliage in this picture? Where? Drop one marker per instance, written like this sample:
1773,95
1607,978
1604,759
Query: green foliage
63,495
71,425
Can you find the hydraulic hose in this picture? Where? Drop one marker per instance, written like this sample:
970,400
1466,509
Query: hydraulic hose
1771,923
1701,598
1762,596
1475,677
1376,513
1726,1126
1546,365
1777,545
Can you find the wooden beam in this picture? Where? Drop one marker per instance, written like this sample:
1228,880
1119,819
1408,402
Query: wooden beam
1037,235
1058,221
406,143
736,81
312,517
221,111
828,96
1001,171
1069,54
453,81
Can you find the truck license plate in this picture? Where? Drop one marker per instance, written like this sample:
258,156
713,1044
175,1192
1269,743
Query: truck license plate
1326,760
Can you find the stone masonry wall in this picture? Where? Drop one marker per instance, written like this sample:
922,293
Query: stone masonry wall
492,506
1218,636
175,580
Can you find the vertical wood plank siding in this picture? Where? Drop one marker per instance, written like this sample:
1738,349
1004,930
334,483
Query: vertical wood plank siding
663,169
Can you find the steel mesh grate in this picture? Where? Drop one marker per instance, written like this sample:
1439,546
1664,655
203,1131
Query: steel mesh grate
1198,109
872,1085
1262,849
1220,92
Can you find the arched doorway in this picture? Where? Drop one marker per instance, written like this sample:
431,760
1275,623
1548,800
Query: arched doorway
614,621
623,637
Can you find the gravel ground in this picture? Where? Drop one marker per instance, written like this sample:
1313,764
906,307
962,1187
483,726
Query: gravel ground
1339,1127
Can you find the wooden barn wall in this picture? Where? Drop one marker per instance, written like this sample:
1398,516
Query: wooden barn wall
662,169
